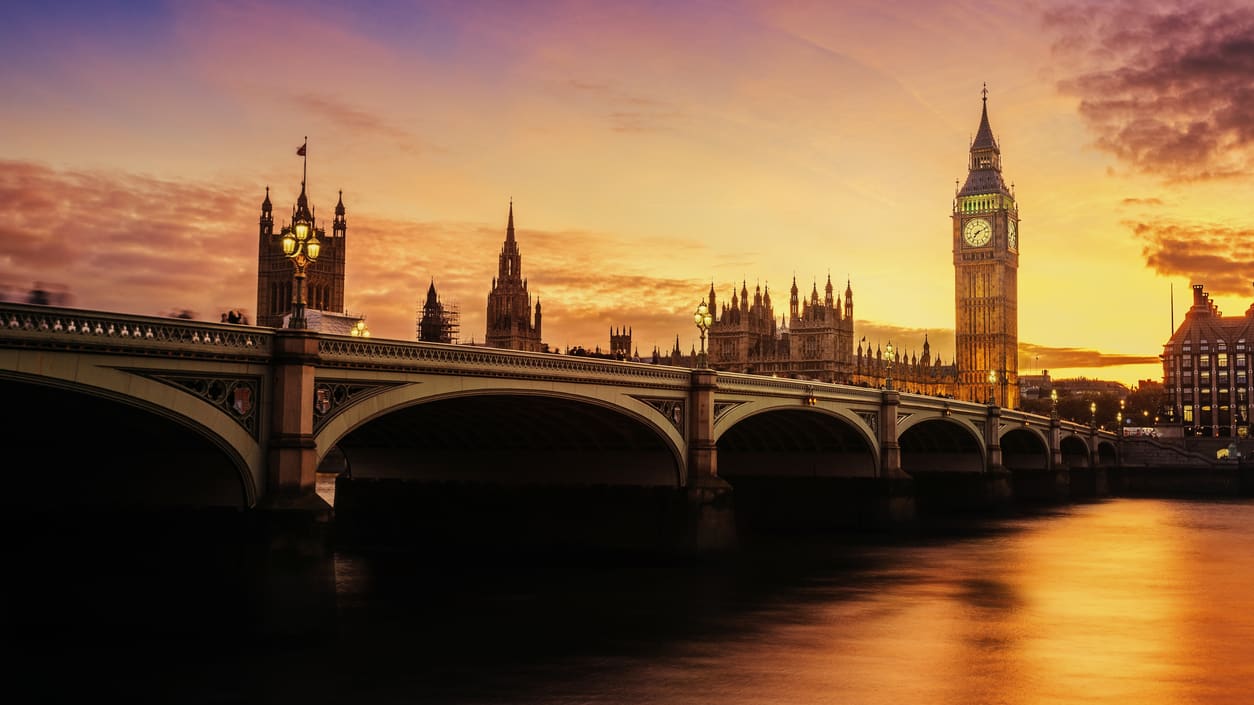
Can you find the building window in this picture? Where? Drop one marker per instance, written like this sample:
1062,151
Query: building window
1203,378
1241,377
1188,377
1221,345
1223,360
1188,414
1186,362
1203,361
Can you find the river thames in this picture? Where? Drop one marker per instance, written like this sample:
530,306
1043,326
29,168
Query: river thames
1142,601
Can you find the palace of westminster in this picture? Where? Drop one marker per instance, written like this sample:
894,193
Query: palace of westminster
815,340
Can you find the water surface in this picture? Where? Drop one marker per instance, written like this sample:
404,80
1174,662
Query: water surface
1121,601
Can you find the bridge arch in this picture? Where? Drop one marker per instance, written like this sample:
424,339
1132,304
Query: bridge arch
126,441
1107,453
498,430
940,444
1075,451
1024,448
791,441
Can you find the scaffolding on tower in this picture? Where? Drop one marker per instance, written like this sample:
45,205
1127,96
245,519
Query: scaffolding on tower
438,323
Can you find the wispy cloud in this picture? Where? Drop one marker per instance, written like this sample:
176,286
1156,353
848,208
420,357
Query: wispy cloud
1032,356
1218,256
353,120
1166,90
625,112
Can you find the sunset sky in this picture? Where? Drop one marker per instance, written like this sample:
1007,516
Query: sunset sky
650,148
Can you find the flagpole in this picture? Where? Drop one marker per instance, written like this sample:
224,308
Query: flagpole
304,160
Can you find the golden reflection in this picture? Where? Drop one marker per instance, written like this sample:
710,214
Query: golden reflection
1102,606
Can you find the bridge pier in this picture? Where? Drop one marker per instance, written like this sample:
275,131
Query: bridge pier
292,452
892,499
710,521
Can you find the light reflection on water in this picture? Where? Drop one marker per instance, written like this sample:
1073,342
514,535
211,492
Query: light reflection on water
1126,601
324,485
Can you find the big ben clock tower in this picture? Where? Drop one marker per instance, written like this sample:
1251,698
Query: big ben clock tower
986,269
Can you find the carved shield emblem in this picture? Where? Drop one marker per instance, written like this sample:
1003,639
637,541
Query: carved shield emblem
322,400
242,399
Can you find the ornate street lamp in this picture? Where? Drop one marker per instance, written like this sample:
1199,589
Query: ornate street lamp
992,380
888,358
1053,403
359,329
301,245
704,320
1093,414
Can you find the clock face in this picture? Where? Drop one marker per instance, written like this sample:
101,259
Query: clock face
1012,235
977,232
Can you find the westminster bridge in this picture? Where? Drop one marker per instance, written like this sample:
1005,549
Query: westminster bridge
207,414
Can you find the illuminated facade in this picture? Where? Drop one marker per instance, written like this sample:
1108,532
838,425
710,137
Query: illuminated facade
986,267
816,343
912,373
324,283
509,322
1206,370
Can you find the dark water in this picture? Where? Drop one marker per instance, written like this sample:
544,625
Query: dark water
1122,601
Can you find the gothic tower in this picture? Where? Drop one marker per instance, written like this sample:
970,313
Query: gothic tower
986,268
509,323
324,282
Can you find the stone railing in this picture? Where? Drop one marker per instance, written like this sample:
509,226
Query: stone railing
440,358
760,385
25,325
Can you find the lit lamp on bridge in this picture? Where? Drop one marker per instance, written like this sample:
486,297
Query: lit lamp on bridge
992,380
300,244
1093,414
703,319
1053,403
359,329
888,360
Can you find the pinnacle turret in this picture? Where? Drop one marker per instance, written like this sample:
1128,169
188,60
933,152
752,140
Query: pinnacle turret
984,167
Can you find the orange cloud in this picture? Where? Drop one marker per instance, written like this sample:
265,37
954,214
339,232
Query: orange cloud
1218,256
1170,94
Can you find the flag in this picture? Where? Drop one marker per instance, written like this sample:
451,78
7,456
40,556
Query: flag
300,151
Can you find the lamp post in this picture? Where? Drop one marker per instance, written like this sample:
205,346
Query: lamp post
1053,403
703,319
301,245
992,380
1093,414
888,359
359,329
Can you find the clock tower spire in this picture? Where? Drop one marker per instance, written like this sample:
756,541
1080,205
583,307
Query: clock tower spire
986,269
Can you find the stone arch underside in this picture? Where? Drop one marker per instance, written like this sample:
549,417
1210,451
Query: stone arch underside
794,443
1107,454
1075,452
511,439
76,447
1024,450
938,445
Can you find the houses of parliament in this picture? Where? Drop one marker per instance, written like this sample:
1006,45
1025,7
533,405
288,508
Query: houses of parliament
815,340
